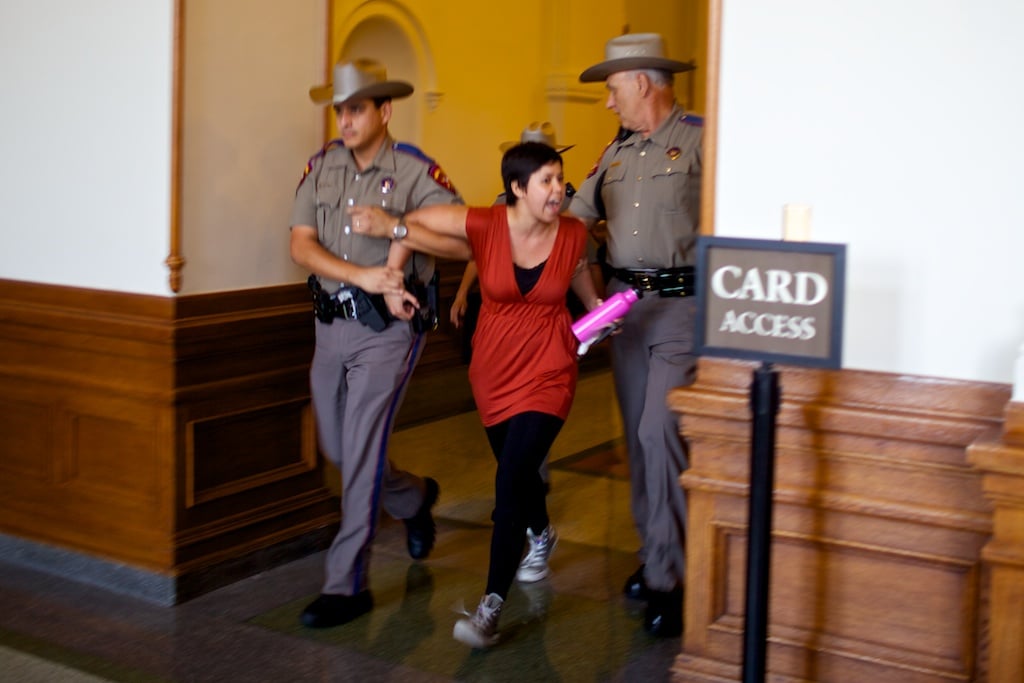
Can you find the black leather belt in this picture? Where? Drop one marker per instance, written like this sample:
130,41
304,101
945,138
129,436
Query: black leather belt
665,281
327,307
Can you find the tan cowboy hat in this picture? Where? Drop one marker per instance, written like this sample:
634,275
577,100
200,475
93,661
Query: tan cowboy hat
633,51
537,132
358,79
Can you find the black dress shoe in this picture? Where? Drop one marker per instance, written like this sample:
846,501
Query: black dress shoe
664,614
636,587
419,529
334,610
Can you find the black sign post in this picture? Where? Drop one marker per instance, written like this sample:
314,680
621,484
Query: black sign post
774,302
765,398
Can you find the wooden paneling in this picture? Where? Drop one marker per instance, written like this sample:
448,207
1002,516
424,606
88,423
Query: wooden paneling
879,530
233,452
168,434
25,440
999,456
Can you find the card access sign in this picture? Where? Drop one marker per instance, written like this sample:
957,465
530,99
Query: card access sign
771,300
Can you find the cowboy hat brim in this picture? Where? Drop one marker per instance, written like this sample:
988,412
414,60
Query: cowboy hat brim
600,72
324,94
506,146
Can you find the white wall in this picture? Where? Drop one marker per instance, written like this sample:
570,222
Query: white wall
248,129
899,122
85,140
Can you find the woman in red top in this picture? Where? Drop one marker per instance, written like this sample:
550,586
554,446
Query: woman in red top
523,368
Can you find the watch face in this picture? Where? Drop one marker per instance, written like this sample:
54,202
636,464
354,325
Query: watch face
400,231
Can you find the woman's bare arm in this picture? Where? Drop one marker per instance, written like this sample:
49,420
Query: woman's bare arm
439,230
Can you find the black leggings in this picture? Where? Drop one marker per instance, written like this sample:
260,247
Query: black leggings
519,445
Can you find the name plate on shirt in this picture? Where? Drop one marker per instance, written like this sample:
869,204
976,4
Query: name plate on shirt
769,300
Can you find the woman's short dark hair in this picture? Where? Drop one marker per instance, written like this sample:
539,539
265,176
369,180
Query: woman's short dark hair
522,161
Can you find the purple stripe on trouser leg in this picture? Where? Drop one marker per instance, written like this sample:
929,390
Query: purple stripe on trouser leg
358,378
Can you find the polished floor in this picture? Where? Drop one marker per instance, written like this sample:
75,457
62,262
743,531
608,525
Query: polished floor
574,626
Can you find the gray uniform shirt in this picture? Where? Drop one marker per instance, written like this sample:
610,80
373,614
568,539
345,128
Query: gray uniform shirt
400,179
650,192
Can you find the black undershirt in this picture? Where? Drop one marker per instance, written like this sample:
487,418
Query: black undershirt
527,278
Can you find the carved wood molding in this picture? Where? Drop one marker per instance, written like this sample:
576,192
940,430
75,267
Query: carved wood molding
175,262
177,430
886,497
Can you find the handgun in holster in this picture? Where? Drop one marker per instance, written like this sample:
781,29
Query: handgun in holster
425,318
371,310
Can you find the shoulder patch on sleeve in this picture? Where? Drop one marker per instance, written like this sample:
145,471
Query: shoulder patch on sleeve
692,120
333,144
433,168
441,178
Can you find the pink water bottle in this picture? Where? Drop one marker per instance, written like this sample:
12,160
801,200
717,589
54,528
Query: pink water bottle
597,324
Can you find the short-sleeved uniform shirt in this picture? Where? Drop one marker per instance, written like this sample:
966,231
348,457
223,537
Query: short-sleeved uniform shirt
650,194
400,179
524,352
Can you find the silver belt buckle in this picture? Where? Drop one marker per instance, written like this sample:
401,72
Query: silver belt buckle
644,280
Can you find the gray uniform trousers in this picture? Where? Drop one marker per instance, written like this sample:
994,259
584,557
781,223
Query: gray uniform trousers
358,379
652,355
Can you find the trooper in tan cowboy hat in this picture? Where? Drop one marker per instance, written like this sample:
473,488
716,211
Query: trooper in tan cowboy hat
633,51
359,79
657,139
537,132
364,314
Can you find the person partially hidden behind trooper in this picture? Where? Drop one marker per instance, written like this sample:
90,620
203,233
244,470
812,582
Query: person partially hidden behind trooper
366,342
652,227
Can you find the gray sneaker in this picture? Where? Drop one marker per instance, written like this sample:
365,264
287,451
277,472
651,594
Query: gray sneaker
534,566
481,629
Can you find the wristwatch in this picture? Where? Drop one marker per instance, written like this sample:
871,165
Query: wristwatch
399,231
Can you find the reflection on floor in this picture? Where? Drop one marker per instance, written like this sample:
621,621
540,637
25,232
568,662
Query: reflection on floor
574,626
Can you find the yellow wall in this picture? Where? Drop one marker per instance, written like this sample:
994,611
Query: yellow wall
482,72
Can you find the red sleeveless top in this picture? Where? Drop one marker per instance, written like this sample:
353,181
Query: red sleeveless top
524,352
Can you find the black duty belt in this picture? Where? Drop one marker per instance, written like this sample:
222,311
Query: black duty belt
666,282
350,303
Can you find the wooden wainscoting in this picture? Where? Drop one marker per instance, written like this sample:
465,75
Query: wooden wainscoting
87,426
171,435
880,523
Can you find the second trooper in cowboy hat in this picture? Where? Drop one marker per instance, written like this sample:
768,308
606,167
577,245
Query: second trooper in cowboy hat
633,51
652,226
